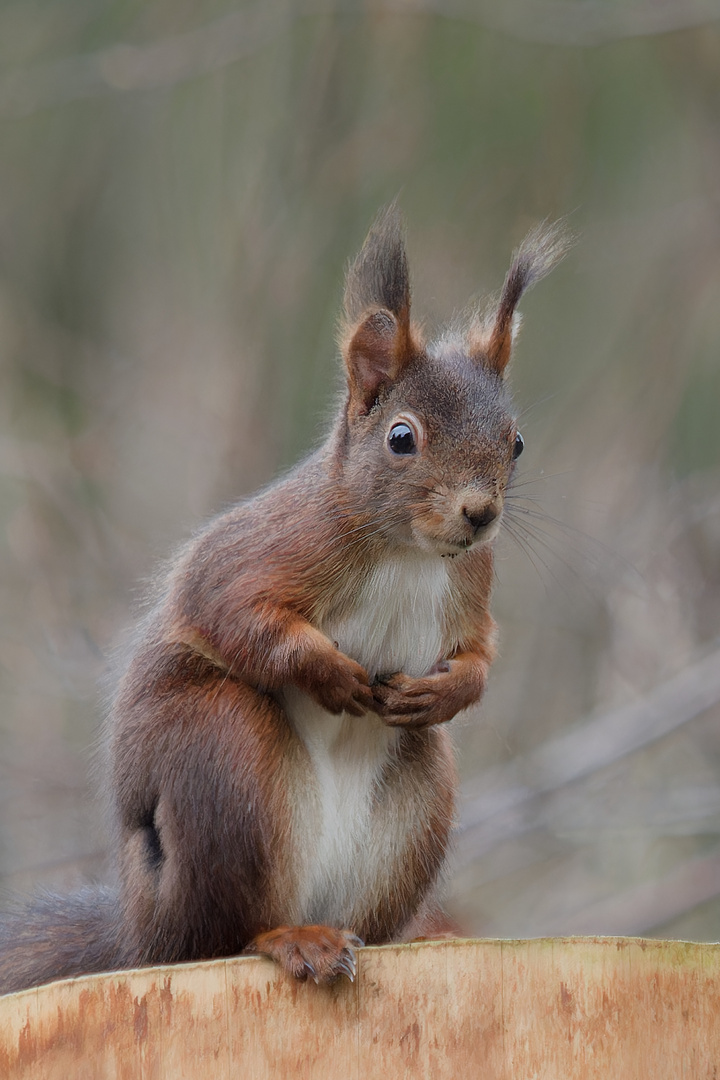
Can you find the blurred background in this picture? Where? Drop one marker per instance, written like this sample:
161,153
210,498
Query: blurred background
179,194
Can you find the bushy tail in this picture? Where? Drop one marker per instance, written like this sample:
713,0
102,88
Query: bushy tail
55,937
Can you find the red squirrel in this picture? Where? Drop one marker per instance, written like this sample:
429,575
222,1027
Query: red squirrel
280,764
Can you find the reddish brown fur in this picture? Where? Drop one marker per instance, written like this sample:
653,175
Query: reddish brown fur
215,780
317,952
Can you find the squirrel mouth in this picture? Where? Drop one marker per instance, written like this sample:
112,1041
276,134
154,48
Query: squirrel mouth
456,547
449,547
484,535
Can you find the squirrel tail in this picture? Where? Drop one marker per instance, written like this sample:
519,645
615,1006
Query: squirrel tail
55,937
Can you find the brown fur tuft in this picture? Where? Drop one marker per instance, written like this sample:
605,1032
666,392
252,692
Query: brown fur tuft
541,250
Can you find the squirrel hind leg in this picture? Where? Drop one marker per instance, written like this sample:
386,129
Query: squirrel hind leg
320,953
432,923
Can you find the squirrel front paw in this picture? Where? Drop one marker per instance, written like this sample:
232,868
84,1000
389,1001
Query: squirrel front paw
320,953
435,698
337,683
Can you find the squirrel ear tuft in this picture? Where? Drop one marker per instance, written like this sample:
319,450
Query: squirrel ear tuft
378,276
375,335
540,251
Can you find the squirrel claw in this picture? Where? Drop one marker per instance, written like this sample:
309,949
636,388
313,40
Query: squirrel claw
345,967
310,970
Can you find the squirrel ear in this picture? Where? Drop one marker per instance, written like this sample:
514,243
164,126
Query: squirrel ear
376,332
378,277
375,355
539,252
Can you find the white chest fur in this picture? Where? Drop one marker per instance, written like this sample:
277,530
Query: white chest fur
396,624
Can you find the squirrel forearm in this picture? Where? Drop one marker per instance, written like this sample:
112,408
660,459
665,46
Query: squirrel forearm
278,648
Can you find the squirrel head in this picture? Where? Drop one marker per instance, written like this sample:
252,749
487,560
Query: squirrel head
429,432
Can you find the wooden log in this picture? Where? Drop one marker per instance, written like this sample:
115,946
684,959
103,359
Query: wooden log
550,1009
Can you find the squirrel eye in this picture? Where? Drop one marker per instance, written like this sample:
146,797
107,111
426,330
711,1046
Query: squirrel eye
518,447
401,439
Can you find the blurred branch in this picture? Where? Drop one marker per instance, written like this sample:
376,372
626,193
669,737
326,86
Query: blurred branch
508,805
167,62
224,41
644,906
586,24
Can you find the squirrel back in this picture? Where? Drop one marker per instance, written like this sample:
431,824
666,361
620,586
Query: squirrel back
282,774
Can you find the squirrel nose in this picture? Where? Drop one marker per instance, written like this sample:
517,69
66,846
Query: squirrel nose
480,519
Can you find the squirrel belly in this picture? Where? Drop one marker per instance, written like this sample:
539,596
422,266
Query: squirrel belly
354,818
